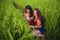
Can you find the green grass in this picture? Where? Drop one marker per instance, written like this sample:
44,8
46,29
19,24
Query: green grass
12,23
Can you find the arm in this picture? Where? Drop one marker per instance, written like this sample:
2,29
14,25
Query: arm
32,18
38,24
24,15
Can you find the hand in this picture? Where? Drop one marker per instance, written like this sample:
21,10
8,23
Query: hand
32,27
32,18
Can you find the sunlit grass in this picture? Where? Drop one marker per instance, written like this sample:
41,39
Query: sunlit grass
14,27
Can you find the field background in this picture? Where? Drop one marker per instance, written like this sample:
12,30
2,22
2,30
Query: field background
14,27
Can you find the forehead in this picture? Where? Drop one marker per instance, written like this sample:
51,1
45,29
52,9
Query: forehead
27,9
34,10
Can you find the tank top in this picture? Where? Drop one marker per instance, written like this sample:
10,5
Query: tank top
40,29
35,21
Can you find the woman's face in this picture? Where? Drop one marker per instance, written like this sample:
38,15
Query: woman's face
27,10
35,13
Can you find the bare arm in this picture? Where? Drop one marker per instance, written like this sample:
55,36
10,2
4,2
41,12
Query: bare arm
24,15
38,24
32,18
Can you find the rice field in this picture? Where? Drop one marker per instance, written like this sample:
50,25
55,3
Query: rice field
14,27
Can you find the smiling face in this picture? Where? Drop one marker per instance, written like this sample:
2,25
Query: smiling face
27,10
35,13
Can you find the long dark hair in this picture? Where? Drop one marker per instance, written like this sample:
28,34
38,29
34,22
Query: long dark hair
30,8
38,13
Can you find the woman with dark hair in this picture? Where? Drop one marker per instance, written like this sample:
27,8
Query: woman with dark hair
39,29
28,15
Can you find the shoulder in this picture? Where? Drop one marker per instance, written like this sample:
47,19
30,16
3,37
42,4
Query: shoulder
38,20
24,14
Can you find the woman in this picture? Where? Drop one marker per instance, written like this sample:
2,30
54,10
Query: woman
39,29
38,21
28,15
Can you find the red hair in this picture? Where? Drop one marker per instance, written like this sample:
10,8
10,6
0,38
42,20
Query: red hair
38,13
